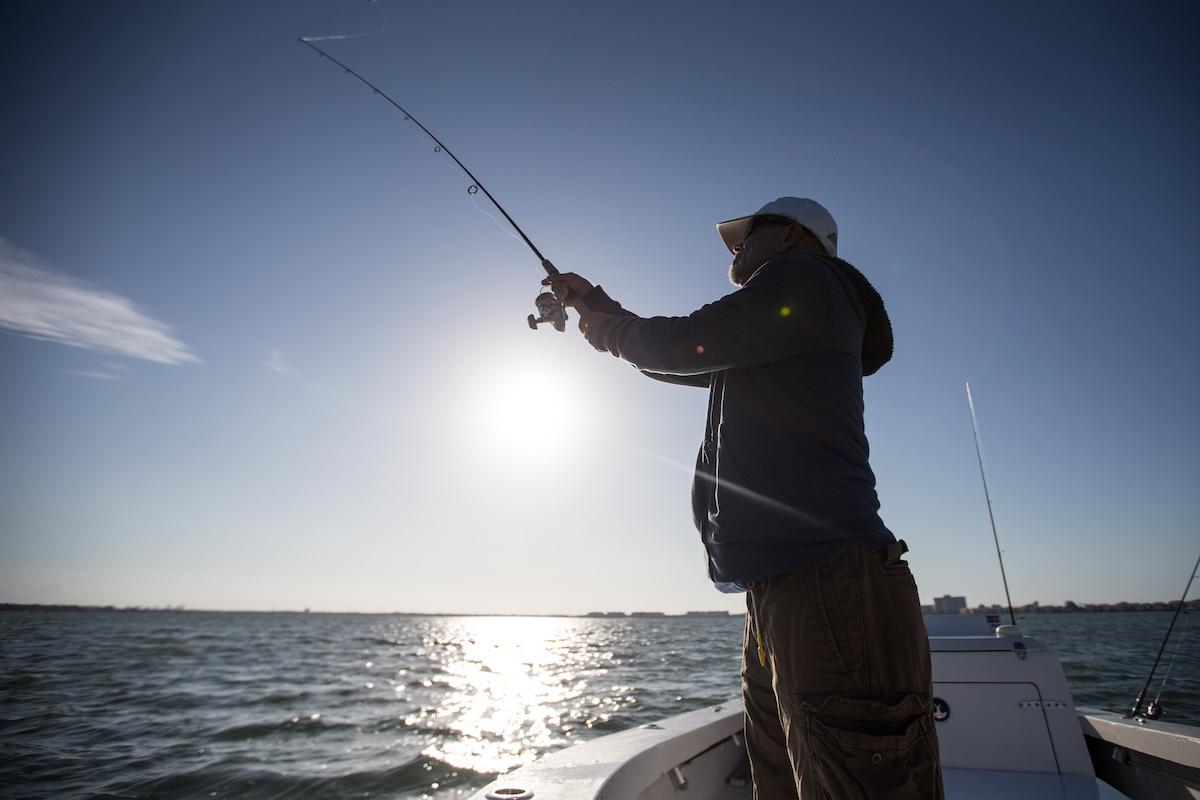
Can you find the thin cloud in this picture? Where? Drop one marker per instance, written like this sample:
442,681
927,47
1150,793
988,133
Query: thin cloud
112,371
38,302
102,376
277,363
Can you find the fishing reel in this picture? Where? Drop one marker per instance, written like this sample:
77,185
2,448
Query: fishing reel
549,310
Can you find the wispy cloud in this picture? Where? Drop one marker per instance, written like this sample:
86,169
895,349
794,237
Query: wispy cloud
105,371
103,376
277,363
38,302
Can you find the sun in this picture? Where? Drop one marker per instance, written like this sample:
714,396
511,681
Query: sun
527,413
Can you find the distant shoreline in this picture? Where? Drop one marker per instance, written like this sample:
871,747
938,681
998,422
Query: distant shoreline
1031,608
1084,608
182,609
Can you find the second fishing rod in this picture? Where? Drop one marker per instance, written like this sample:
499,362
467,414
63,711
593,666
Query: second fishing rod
549,309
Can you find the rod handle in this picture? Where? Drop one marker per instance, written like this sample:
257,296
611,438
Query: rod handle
576,302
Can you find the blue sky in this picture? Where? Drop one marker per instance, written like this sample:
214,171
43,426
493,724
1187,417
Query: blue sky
262,350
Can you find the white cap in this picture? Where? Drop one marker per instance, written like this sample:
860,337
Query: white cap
809,213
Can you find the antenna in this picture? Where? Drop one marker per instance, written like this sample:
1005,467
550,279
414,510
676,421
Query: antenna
983,474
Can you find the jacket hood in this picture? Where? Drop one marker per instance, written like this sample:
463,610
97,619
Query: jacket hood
878,344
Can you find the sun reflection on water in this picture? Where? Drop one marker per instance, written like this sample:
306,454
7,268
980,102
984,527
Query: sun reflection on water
509,688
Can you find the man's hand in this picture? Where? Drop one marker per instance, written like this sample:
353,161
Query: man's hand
568,287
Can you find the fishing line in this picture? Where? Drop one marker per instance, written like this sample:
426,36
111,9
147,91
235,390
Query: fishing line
549,308
375,3
472,191
492,217
476,185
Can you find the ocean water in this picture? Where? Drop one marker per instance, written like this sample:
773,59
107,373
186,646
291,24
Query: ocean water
1108,656
158,704
247,705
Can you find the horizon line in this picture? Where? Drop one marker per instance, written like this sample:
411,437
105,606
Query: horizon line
1028,608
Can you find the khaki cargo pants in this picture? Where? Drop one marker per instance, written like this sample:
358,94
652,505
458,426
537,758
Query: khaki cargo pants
838,697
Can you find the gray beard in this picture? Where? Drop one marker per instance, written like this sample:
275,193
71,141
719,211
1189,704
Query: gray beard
737,274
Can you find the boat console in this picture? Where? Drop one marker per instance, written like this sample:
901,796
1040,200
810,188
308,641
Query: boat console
1006,722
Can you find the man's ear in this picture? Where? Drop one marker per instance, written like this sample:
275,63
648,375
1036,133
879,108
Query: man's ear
793,238
799,239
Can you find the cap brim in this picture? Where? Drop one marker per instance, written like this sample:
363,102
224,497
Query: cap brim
734,231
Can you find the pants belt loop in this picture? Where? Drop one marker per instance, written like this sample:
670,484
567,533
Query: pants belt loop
896,550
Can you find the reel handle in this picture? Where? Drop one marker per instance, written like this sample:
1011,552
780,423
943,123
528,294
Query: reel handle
549,310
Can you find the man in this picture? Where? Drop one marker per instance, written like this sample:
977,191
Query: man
836,671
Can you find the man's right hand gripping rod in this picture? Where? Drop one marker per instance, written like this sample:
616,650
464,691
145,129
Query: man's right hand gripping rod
549,308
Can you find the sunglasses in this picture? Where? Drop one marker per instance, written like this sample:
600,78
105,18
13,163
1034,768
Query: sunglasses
757,222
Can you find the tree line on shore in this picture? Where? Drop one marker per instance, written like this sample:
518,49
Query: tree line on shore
1071,607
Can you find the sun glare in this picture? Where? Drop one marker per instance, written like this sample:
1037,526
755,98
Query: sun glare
512,687
527,413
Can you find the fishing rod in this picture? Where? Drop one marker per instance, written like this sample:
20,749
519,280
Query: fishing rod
1154,710
988,497
549,308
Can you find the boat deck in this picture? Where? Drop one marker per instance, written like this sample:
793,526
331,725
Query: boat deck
964,784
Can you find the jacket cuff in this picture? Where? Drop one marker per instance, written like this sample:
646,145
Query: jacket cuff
597,300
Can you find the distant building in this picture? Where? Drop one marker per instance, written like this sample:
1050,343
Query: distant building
647,614
949,605
707,614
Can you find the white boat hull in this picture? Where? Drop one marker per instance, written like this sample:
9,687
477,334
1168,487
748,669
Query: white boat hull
1007,728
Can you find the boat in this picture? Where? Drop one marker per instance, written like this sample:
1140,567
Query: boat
1007,727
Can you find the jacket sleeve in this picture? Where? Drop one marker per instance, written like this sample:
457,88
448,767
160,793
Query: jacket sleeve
598,300
792,306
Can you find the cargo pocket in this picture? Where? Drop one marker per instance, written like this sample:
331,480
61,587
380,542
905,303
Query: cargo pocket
865,748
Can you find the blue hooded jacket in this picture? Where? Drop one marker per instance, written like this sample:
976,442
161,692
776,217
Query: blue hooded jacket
782,478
